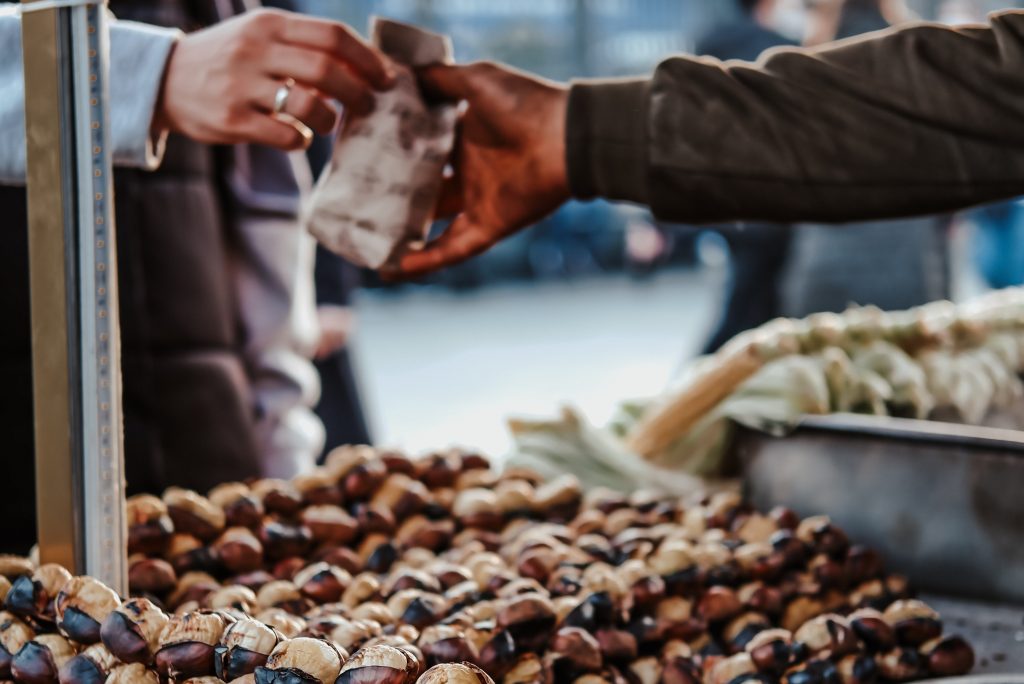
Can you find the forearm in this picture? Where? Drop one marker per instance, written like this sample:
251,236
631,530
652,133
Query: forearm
138,55
919,120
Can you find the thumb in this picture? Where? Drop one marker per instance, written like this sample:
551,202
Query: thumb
445,81
462,240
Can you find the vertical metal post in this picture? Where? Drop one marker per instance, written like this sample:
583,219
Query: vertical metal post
73,280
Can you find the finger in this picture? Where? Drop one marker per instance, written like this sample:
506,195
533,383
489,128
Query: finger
320,71
449,198
302,104
266,130
446,81
462,240
333,38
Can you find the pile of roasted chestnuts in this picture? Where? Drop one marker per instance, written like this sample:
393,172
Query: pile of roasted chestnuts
382,569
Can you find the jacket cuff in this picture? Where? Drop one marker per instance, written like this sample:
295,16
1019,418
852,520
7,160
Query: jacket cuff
138,57
606,139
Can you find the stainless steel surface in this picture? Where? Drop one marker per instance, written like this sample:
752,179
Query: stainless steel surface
995,631
945,504
75,337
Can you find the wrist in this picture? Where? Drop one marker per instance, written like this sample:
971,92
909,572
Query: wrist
606,140
161,122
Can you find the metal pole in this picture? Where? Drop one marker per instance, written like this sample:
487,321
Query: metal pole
73,278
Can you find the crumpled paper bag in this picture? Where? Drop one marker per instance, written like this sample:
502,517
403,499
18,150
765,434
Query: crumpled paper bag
377,195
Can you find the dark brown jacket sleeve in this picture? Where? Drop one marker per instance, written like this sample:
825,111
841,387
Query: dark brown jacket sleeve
917,120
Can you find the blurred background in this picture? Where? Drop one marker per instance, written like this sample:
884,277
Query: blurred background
601,303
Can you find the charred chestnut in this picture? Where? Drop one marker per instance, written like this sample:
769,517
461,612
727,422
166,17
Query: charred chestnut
132,631
14,634
949,656
81,607
301,660
379,664
330,524
149,525
193,514
238,550
455,673
244,646
132,673
187,645
153,576
321,582
40,660
33,595
241,507
913,621
91,666
446,644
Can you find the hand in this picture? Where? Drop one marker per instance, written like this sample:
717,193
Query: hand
336,324
220,83
509,160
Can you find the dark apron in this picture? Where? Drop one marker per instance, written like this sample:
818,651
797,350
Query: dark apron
188,411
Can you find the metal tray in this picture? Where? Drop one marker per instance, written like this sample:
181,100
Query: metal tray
943,502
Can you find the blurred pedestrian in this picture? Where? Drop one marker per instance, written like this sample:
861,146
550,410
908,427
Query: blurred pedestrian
218,314
894,264
757,250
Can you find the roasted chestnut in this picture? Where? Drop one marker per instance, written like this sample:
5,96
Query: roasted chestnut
132,673
153,576
40,660
32,596
187,645
455,673
149,525
81,607
91,666
14,634
238,550
193,514
301,660
132,631
241,508
379,664
913,621
949,656
244,646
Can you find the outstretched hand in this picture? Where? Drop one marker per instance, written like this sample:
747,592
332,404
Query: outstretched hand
509,160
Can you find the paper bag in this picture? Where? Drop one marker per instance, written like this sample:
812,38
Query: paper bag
378,193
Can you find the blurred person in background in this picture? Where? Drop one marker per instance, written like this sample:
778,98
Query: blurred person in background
890,264
218,315
757,251
340,406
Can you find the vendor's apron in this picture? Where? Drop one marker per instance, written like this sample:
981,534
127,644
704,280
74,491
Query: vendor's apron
187,405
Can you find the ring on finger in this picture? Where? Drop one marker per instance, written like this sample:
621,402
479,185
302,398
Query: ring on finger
282,95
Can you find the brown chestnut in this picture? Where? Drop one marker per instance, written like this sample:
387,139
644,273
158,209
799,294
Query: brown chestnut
40,660
187,645
153,576
379,664
33,595
949,656
241,507
238,550
301,660
244,646
132,631
193,514
91,666
82,605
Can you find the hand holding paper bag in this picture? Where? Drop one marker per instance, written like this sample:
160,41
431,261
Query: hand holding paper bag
378,193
